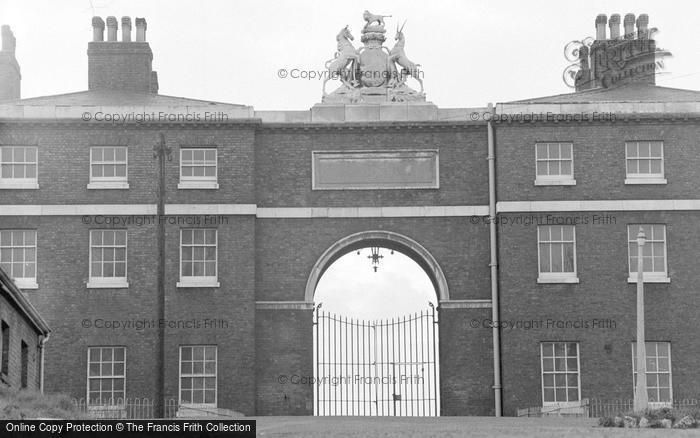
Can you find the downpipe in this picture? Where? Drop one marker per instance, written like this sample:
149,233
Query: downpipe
493,264
42,346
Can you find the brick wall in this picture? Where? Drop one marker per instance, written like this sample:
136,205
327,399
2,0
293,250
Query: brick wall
20,330
122,66
599,160
284,348
466,363
602,293
64,163
287,250
230,310
601,255
283,165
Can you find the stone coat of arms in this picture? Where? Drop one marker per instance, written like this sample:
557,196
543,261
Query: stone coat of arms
372,73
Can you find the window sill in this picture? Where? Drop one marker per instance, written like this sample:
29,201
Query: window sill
560,279
198,283
107,284
26,283
99,185
197,185
555,182
19,185
648,279
645,181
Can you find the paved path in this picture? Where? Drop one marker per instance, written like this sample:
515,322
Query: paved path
447,427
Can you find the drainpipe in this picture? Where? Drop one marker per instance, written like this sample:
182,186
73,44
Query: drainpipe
494,269
42,346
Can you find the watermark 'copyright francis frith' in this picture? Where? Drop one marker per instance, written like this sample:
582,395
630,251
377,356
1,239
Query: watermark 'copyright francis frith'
150,324
160,116
518,117
548,323
152,219
322,75
545,219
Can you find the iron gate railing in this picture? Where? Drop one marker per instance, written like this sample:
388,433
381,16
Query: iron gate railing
376,367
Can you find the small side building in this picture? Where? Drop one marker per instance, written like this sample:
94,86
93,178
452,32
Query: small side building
24,333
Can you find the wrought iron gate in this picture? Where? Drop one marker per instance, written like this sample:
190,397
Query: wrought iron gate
374,368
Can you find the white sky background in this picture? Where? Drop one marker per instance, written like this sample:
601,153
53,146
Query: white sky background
472,52
351,288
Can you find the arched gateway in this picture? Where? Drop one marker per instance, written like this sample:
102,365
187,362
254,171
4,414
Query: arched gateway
376,166
385,239
375,367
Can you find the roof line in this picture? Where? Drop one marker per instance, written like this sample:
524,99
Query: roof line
18,297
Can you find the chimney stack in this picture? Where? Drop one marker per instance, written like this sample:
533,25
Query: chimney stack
642,27
629,26
126,29
140,30
120,65
618,60
154,82
600,22
614,24
112,28
10,76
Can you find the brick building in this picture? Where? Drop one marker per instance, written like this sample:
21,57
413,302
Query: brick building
179,242
23,334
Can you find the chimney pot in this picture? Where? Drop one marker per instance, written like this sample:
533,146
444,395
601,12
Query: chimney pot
629,26
126,29
98,29
600,22
614,24
642,27
140,30
112,26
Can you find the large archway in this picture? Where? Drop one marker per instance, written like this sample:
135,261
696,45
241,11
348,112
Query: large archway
378,366
386,239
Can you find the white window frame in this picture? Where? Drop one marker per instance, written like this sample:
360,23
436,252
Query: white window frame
109,182
200,281
113,376
645,178
200,182
20,183
556,277
109,282
649,277
554,180
203,375
569,403
658,404
22,282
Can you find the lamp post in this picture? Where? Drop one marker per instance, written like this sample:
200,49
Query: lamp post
161,151
641,398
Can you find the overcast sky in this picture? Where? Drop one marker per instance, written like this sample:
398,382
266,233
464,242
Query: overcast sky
350,287
472,52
